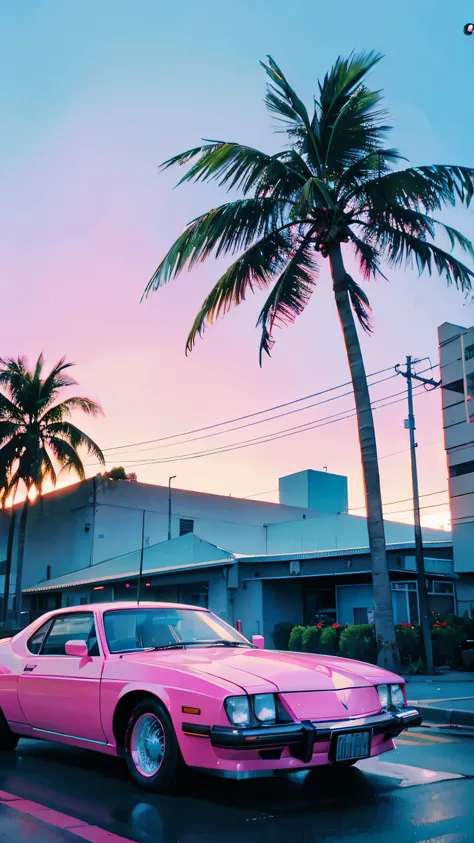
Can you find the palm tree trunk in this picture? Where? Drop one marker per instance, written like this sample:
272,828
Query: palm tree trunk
8,568
20,556
388,656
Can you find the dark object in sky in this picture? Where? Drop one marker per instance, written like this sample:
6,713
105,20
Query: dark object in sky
469,29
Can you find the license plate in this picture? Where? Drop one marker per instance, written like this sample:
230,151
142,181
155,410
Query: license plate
353,745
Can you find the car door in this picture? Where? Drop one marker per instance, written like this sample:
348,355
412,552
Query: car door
61,693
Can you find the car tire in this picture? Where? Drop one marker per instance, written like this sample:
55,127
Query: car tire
152,751
346,763
8,740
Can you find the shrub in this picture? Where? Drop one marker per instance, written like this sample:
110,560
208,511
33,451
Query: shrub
281,635
329,644
409,642
358,642
447,642
415,668
311,639
295,643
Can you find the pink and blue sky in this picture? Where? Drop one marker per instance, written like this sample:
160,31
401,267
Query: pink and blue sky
94,95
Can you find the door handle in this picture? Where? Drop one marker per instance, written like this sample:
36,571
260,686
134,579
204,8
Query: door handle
29,668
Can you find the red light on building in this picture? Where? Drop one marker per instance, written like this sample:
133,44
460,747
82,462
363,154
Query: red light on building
469,29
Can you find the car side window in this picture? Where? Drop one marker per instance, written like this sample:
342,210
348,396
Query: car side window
34,643
74,627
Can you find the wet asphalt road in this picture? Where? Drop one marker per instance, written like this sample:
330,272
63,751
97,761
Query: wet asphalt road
333,806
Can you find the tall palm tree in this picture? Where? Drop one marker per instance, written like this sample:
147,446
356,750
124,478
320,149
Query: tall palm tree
37,437
337,182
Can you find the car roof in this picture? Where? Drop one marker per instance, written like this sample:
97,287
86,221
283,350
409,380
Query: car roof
105,607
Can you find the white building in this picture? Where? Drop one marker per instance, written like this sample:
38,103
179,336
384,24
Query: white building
250,560
454,343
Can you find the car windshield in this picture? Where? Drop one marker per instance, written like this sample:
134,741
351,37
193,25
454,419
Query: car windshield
132,629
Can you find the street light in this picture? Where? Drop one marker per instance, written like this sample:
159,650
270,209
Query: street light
468,28
169,505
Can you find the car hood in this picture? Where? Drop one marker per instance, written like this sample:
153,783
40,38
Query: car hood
281,671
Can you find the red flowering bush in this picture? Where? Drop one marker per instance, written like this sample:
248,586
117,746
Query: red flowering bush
409,641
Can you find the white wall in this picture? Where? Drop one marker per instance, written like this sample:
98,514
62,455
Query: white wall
337,532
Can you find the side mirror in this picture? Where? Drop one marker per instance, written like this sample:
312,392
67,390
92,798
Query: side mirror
77,648
258,641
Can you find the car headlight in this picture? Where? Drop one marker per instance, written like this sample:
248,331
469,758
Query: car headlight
391,696
264,707
238,710
384,695
396,693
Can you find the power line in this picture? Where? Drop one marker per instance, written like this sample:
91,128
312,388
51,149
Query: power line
426,506
248,415
343,415
258,421
402,500
405,450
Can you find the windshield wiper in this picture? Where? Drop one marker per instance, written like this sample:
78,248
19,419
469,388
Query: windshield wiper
211,642
223,642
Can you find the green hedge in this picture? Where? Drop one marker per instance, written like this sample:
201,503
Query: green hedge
358,642
295,643
311,639
329,643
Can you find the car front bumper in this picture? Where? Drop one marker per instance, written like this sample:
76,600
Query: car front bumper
301,737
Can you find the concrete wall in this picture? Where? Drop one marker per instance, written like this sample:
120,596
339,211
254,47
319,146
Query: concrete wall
336,532
314,489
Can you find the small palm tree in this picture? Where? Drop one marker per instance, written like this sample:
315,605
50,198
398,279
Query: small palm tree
335,183
37,436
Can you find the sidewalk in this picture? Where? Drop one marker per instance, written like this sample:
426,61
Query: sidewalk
447,699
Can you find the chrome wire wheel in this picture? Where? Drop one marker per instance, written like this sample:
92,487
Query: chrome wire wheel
147,744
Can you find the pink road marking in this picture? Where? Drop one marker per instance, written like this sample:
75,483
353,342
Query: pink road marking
60,820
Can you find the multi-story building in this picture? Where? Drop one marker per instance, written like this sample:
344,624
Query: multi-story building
456,354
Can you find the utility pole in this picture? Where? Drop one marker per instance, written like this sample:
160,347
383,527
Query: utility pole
140,574
169,505
425,618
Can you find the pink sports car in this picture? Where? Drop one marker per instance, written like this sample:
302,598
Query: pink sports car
168,686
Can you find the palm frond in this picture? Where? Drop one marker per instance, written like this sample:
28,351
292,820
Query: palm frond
283,101
236,166
63,410
368,255
75,437
67,457
291,293
420,188
312,196
422,225
48,471
7,430
346,119
374,164
255,269
404,248
360,304
229,228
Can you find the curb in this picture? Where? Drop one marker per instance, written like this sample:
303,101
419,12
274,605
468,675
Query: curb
447,716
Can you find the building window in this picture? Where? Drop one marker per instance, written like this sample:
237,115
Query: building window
455,386
186,525
462,468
